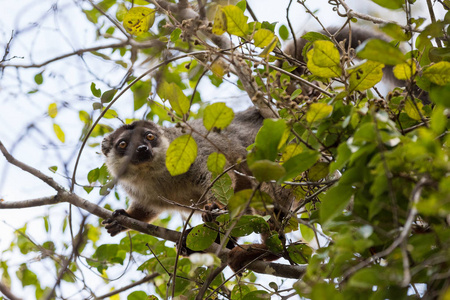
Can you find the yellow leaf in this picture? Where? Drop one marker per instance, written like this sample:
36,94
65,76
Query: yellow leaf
59,133
412,111
269,48
236,20
263,37
438,73
220,21
365,76
218,68
52,110
181,154
325,72
217,115
138,20
291,151
405,71
318,111
177,99
326,54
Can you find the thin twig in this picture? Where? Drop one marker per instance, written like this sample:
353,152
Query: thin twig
127,287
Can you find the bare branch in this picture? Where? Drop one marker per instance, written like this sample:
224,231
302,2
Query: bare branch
7,293
29,203
127,287
48,180
353,14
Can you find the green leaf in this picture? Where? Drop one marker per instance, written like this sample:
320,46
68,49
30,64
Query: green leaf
53,169
138,20
438,73
223,189
391,4
93,175
216,162
318,171
217,115
268,140
250,224
257,295
266,170
365,76
238,203
334,202
283,32
396,32
299,164
318,111
52,110
299,253
202,236
26,276
108,96
438,120
59,133
380,51
236,20
313,36
242,5
343,156
441,95
326,291
274,243
177,99
96,92
138,295
121,12
239,291
175,35
369,277
38,78
181,154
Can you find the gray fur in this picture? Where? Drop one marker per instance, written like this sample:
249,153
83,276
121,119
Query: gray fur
149,182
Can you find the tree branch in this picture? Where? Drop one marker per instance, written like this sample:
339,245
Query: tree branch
7,293
35,172
274,269
127,287
353,14
29,203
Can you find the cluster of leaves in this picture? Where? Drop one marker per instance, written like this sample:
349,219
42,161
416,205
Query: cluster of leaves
369,173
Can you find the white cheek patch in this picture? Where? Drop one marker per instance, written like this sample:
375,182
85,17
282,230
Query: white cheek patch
117,165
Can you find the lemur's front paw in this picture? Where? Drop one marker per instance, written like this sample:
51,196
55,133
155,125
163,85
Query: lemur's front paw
211,212
112,226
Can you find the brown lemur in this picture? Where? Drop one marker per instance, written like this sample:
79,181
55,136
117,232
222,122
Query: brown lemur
135,156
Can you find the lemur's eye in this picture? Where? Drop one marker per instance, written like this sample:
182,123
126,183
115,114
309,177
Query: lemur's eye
150,136
123,144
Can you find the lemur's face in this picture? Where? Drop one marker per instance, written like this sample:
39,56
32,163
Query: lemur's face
138,143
